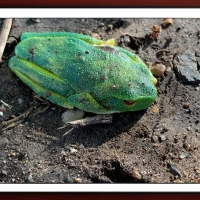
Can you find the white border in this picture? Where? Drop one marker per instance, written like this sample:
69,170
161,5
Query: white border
100,188
100,13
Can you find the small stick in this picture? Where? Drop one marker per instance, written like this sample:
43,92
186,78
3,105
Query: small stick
23,115
4,36
13,124
99,119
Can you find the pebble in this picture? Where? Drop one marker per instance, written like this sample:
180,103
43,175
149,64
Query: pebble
68,179
72,150
163,138
197,88
35,20
81,146
4,172
189,128
186,105
127,39
13,180
1,113
110,27
155,138
20,101
72,115
184,155
173,167
135,174
197,170
63,153
77,180
30,178
154,109
101,24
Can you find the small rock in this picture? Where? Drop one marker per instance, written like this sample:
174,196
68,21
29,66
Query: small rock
197,53
197,170
168,69
13,180
72,115
110,27
81,146
127,39
77,180
173,167
30,178
39,167
197,88
101,24
189,128
20,101
72,150
63,153
185,65
136,175
154,109
163,138
155,138
4,172
1,113
36,20
186,105
83,20
184,155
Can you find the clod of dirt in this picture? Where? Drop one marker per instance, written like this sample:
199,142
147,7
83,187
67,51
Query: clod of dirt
186,67
157,69
167,21
95,35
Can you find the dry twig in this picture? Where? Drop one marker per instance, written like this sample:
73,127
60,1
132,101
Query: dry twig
4,36
99,119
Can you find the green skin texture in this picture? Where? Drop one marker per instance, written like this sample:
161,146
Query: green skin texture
74,70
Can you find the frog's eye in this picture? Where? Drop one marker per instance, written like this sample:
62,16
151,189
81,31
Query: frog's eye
129,102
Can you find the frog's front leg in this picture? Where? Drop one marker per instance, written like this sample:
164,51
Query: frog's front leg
85,101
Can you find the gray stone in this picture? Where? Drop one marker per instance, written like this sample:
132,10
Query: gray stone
185,65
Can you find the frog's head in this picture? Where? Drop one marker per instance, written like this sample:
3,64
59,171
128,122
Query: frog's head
130,89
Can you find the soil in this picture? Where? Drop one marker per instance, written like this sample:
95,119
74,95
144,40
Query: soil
158,145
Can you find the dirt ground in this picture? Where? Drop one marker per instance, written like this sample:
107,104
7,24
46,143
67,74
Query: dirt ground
158,145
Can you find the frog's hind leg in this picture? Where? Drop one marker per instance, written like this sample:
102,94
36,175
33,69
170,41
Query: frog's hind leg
41,81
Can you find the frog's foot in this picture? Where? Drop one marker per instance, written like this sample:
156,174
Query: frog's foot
99,119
